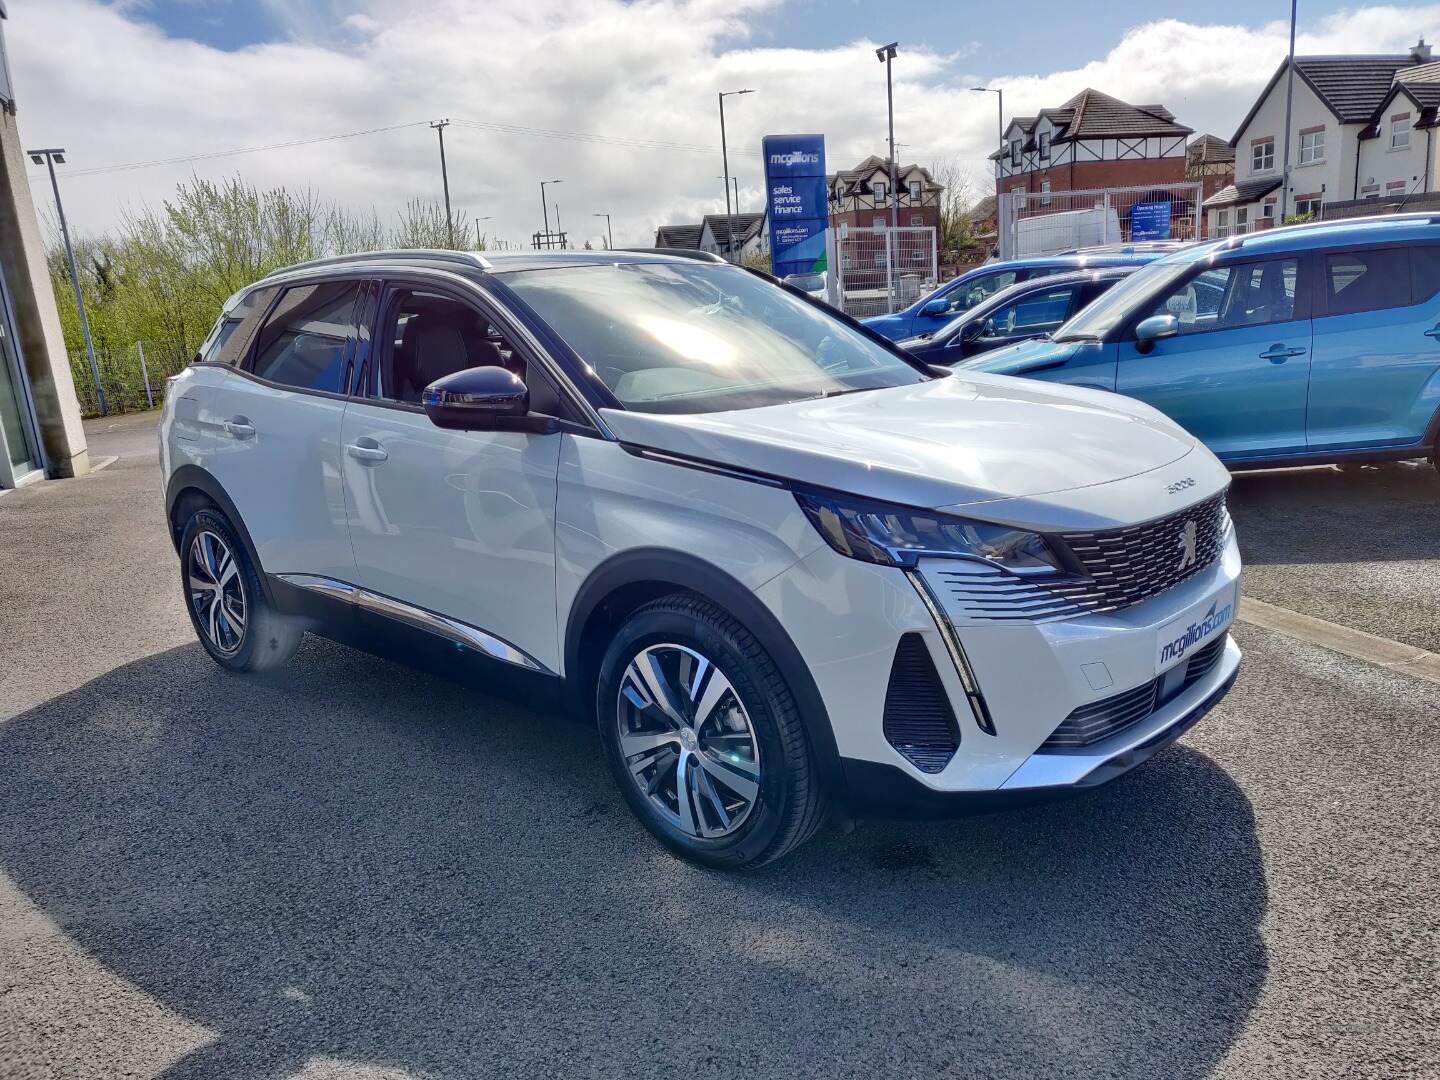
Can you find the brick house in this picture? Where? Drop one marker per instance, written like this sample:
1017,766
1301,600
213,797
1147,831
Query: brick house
1210,160
1091,141
859,197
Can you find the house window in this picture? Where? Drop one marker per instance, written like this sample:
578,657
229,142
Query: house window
877,223
878,189
1242,219
1222,222
915,187
1267,214
1262,154
1395,187
1399,131
1312,147
1044,146
917,219
1044,192
1307,204
1370,191
1015,153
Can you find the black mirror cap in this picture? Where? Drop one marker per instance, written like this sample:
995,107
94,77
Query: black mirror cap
478,399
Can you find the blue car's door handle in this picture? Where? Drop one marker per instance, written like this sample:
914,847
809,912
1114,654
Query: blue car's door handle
1278,353
1433,332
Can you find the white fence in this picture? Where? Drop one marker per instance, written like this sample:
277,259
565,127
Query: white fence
1044,222
881,270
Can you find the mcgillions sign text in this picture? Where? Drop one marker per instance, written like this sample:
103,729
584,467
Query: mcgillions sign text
1196,632
796,203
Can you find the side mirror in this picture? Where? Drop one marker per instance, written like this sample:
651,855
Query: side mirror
970,331
936,307
1151,330
483,399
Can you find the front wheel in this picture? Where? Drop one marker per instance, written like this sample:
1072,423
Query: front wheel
232,617
704,737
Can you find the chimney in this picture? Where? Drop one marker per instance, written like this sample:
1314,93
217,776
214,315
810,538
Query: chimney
1420,52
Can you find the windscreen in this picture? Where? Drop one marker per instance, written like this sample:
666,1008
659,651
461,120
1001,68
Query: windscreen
696,337
1112,308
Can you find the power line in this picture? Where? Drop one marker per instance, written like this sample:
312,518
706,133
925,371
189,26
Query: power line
157,162
594,137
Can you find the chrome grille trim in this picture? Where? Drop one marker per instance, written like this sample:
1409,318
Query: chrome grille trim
1121,567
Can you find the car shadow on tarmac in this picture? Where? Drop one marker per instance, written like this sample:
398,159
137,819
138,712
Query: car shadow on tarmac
1373,514
351,859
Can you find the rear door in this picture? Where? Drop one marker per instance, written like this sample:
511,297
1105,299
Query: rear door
277,429
1377,348
1237,374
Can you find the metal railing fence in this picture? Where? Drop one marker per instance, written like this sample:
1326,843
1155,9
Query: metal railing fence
132,377
883,270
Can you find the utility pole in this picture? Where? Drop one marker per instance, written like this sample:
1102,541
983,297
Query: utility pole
479,239
725,160
885,54
609,236
439,126
1289,98
51,157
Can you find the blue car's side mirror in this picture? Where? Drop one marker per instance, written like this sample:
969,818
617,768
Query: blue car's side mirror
936,307
1148,331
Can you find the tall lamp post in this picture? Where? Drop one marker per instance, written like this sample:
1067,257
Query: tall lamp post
999,108
885,54
545,207
725,160
478,238
609,236
439,126
734,187
1289,100
51,157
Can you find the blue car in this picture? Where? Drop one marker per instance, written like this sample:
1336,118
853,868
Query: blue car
1029,310
1302,345
933,311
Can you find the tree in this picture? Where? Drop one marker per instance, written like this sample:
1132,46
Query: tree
957,200
423,225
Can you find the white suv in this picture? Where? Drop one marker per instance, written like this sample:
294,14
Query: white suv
784,566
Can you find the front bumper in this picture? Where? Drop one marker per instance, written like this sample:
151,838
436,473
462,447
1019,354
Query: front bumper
847,617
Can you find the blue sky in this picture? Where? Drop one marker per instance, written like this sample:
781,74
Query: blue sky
987,32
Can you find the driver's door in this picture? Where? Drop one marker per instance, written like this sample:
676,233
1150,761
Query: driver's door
1035,313
456,523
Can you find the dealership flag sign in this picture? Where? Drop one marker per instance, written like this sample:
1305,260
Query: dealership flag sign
796,202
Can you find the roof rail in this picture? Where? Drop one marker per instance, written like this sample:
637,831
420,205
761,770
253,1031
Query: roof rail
679,253
1414,218
472,259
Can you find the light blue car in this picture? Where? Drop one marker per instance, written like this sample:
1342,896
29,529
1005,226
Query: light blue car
1301,345
936,309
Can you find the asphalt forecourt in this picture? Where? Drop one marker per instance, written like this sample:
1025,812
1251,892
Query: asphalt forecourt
350,868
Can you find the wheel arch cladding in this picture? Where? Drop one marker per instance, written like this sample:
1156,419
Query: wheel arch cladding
630,579
191,486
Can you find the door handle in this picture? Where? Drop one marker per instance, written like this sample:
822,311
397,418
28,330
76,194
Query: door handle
370,452
1433,332
1278,354
239,427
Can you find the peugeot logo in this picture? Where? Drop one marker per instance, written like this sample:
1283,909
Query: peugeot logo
1187,545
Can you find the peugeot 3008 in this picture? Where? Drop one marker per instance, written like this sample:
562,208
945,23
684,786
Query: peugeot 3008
784,566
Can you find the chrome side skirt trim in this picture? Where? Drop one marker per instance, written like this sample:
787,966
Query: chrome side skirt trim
956,651
473,637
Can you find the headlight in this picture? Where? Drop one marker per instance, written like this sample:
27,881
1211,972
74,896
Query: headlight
900,536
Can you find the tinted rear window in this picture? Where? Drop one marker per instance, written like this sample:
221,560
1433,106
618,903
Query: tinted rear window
232,335
1358,281
305,340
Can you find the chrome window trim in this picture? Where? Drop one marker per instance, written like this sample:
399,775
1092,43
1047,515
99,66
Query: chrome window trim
497,648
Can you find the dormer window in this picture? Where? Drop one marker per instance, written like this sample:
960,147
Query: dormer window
1400,131
877,189
1045,146
1015,153
915,189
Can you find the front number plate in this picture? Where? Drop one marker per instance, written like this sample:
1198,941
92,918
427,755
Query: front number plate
1199,626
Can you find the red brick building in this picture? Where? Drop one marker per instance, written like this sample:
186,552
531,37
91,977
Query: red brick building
859,197
1092,141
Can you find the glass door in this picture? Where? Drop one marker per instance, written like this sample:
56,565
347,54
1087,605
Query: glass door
17,446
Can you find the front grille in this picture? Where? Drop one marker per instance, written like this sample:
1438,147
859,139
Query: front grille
1133,564
1101,719
918,721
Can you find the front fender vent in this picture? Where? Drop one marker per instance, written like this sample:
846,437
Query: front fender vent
919,722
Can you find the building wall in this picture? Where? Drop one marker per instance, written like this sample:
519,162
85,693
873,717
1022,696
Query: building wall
866,216
1097,163
1381,166
42,343
1333,178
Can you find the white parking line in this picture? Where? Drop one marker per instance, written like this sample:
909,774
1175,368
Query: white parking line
1394,655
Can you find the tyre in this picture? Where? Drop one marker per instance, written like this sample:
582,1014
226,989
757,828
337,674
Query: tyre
227,605
704,737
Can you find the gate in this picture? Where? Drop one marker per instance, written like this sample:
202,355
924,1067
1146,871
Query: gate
1045,222
881,270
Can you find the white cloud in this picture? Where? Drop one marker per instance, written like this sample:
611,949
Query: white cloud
113,89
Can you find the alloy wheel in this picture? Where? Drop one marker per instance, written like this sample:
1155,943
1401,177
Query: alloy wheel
217,593
687,741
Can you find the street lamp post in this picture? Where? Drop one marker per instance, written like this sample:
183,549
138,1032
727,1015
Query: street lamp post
609,235
545,207
999,107
439,126
1289,100
734,187
478,238
725,160
885,54
51,157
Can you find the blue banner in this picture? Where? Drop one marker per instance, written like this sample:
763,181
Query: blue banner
1150,221
797,203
